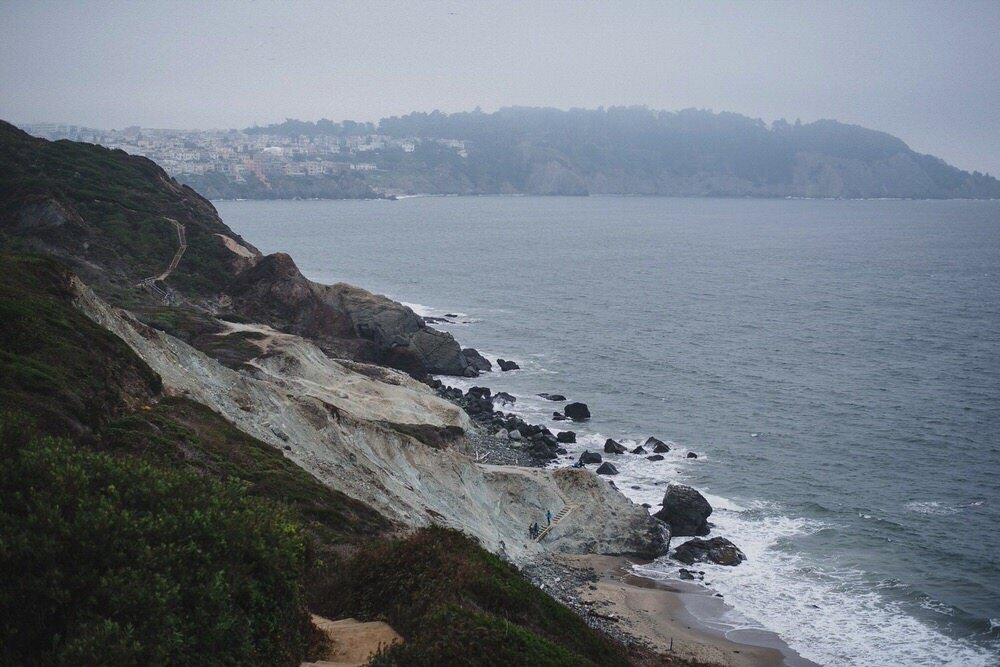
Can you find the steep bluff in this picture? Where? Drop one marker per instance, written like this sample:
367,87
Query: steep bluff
117,220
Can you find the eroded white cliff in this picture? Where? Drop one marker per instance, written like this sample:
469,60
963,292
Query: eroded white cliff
340,421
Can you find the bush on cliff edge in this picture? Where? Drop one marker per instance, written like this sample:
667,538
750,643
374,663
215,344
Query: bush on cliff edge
117,562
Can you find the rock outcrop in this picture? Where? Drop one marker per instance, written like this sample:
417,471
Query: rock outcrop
685,510
717,550
577,411
344,320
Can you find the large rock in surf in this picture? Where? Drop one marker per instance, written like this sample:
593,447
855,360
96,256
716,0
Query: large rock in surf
577,411
566,436
659,447
717,550
607,469
476,360
613,447
590,457
685,510
506,365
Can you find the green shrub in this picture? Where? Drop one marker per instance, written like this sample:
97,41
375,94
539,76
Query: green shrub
112,561
456,603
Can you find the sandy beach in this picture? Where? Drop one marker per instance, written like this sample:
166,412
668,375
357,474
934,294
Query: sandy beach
676,618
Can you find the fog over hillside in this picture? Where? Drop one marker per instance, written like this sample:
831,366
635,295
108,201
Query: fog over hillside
620,150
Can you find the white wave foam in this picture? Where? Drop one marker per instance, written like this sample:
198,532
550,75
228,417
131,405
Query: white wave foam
930,507
828,615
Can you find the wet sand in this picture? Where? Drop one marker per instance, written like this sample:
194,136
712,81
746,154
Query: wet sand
684,620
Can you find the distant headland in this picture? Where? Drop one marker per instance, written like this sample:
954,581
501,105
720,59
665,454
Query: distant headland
540,151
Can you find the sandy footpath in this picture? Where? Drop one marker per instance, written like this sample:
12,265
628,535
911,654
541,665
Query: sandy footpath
663,615
352,643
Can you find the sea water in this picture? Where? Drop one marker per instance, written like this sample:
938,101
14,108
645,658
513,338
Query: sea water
835,365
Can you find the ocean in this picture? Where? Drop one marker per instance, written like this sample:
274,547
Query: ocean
835,365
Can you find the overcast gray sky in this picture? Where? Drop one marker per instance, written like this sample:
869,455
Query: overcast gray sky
928,72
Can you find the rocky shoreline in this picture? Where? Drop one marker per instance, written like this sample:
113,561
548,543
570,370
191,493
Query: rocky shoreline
504,438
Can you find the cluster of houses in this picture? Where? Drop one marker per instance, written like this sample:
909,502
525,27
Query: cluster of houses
236,154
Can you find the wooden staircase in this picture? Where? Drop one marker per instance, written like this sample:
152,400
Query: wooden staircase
555,521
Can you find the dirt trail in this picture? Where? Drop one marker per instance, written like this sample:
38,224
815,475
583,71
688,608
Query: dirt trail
353,642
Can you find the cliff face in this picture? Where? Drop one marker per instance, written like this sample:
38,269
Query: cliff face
349,429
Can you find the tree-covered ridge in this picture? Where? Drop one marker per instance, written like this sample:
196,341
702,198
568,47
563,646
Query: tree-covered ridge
636,150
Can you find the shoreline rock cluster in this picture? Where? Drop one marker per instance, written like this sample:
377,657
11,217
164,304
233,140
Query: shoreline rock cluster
506,438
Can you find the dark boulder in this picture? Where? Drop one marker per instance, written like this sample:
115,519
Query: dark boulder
553,397
561,451
692,455
566,436
541,451
612,447
607,469
639,450
655,457
559,417
685,510
590,457
506,365
577,411
479,392
476,360
656,444
505,398
717,550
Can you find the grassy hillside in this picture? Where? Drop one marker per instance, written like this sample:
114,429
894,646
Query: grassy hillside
106,213
56,364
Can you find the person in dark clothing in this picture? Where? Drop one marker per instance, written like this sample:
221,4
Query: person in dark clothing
548,516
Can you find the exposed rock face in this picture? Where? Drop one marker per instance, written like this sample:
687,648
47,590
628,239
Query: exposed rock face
344,320
717,550
566,436
590,457
577,411
685,510
387,440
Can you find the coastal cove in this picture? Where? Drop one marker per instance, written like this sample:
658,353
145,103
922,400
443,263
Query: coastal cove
832,363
